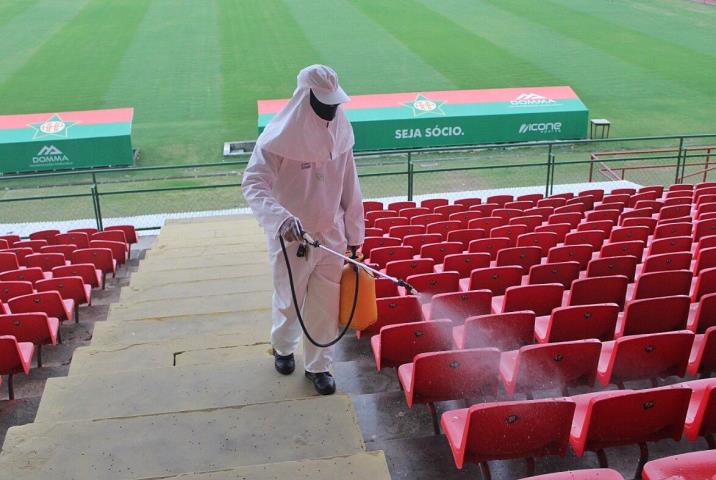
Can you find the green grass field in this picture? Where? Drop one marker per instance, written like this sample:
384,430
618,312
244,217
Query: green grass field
193,70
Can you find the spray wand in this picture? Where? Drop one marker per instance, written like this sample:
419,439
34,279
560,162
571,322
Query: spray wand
377,273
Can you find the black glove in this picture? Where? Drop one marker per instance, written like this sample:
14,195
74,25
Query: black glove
354,251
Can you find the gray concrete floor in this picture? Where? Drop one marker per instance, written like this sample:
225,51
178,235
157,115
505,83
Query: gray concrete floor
56,359
414,452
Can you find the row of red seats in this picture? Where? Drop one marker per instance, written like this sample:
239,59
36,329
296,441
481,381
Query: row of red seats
43,281
588,422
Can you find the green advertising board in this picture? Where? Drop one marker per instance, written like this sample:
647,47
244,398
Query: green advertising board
65,140
458,117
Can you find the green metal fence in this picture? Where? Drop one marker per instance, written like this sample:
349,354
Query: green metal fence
146,194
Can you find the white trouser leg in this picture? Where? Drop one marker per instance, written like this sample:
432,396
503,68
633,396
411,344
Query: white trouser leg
285,329
320,311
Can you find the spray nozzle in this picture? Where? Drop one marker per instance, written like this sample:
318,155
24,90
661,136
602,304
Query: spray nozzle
407,286
309,239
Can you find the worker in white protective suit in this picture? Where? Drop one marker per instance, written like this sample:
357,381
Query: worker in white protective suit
302,176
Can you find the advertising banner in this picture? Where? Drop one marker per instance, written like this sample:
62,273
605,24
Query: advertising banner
65,140
458,117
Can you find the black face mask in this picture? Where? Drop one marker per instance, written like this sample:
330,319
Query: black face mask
326,112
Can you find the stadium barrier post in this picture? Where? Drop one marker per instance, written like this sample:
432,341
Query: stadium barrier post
549,170
679,160
410,177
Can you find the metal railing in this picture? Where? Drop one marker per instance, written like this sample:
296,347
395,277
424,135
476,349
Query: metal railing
110,194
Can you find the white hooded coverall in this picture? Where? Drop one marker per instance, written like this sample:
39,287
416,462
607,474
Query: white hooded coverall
303,166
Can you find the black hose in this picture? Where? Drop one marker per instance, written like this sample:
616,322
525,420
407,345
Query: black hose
298,312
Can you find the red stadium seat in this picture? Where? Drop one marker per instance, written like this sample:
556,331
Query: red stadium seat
429,284
448,210
543,240
702,228
654,315
661,284
463,263
706,258
505,331
485,209
668,230
50,303
416,242
495,279
703,354
89,273
701,418
438,251
591,290
118,249
405,268
704,315
465,236
541,299
489,245
597,193
47,235
634,248
411,212
581,254
507,213
509,231
575,207
32,275
72,288
10,239
551,365
458,306
8,262
561,229
578,323
669,245
385,224
394,310
628,234
45,261
382,255
450,375
705,284
523,257
402,231
542,212
398,206
587,474
375,242
368,206
616,198
465,217
505,430
530,221
563,273
520,205
400,343
15,357
594,238
431,203
444,227
605,226
468,202
65,250
532,197
654,205
551,202
612,419
572,218
36,328
501,200
598,215
80,239
668,261
427,219
674,211
642,357
685,466
11,289
609,266
486,223
88,231
649,223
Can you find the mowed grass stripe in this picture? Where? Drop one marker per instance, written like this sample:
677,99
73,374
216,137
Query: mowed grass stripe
74,67
367,57
466,58
661,57
612,88
262,50
683,22
9,9
171,75
26,32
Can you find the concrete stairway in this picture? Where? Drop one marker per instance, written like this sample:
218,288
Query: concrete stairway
179,380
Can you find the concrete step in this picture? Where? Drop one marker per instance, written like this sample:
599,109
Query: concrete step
156,309
204,262
366,465
140,356
149,278
175,443
208,249
171,389
197,288
254,326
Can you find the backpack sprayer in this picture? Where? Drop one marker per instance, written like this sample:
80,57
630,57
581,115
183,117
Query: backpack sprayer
357,299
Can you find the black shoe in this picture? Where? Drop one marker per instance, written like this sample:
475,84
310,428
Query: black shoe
285,364
323,381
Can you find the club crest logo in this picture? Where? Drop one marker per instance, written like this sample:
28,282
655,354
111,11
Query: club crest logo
422,105
54,126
